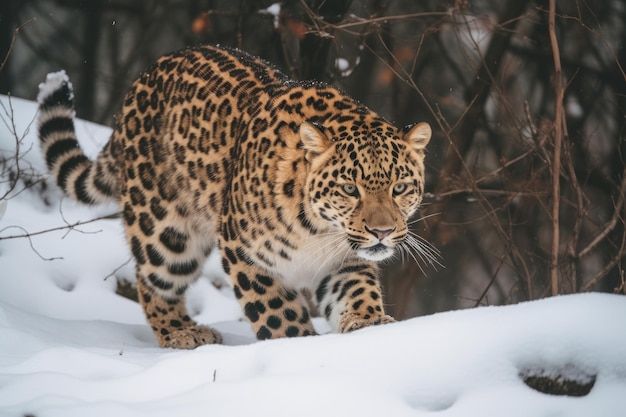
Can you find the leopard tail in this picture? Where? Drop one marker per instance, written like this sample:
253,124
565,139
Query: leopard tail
89,182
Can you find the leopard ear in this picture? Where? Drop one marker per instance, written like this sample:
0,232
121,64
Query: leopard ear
418,136
314,140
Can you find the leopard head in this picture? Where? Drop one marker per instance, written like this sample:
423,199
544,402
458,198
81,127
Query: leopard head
366,182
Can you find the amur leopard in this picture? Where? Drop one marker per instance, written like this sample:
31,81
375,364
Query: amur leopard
300,188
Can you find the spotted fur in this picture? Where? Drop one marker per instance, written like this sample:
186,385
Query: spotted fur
300,188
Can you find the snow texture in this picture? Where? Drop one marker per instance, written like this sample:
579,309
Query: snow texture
274,10
343,66
70,346
54,81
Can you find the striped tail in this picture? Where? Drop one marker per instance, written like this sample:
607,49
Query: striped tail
90,182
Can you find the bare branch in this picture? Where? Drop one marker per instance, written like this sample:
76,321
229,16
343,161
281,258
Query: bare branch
112,274
71,226
18,174
491,281
611,224
13,39
621,253
558,139
30,242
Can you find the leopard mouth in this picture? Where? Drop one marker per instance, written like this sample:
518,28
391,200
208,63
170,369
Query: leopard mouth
377,252
378,247
371,251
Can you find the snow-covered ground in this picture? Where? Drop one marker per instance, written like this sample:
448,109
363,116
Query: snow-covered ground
70,346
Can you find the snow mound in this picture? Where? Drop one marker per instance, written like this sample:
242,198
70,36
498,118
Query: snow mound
70,346
456,364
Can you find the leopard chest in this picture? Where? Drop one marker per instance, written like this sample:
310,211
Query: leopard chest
315,257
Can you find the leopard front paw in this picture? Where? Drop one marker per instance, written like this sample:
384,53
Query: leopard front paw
190,338
352,322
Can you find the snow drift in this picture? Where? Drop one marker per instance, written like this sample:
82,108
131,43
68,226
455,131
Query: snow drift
70,346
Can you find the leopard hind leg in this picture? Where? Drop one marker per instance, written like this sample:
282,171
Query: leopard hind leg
168,261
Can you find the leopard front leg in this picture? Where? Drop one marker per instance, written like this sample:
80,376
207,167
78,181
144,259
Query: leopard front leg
273,310
351,298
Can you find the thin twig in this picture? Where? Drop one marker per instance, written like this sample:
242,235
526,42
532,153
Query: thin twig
558,138
117,269
611,224
71,226
13,39
601,38
607,268
30,242
18,141
491,281
580,214
621,288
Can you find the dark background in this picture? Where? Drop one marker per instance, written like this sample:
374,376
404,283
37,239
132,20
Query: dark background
482,73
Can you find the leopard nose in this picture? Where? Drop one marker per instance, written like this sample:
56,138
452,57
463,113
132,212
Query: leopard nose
380,233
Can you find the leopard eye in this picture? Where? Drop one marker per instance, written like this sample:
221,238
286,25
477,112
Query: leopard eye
399,188
350,189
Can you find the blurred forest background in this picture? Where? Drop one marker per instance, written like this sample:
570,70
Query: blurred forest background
527,99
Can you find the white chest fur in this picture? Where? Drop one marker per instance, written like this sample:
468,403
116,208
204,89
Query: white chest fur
316,257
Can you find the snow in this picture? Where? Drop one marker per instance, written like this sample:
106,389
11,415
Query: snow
273,10
54,81
574,109
69,346
343,66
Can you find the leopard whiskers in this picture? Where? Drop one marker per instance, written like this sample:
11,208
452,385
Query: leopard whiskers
405,250
424,249
349,249
418,247
419,219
